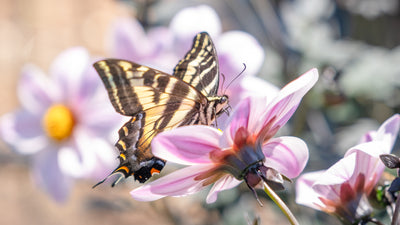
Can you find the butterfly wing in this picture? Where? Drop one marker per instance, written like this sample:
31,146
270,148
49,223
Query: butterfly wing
200,67
156,101
133,88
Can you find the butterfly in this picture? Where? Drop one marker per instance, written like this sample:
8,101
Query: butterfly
157,101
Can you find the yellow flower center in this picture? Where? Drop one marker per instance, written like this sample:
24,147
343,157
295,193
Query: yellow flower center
58,122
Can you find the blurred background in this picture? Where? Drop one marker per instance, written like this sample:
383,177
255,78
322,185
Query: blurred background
353,43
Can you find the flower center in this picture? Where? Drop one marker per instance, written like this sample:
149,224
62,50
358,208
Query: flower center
58,122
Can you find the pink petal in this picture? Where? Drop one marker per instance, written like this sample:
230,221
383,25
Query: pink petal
192,20
373,148
129,41
363,160
98,102
23,131
389,131
368,162
68,70
288,155
162,38
305,194
35,91
285,104
186,145
90,92
179,183
340,172
236,48
246,114
224,183
367,137
47,174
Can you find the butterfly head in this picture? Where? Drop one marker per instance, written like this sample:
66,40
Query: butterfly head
222,104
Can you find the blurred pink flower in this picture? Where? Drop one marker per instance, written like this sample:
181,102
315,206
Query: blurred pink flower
344,188
63,124
162,48
246,150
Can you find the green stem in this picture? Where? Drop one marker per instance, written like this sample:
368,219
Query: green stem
278,201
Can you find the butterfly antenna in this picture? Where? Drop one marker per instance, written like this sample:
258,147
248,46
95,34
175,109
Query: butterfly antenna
230,83
223,80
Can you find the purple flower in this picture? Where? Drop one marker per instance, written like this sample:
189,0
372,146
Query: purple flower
63,122
344,188
162,48
246,150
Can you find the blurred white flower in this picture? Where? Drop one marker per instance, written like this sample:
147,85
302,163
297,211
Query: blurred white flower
63,124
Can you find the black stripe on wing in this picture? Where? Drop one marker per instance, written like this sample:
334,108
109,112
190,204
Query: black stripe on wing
133,88
200,66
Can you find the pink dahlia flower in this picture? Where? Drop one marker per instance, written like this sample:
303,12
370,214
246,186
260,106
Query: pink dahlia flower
344,188
246,149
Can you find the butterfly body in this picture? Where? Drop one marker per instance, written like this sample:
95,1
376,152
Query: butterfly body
157,101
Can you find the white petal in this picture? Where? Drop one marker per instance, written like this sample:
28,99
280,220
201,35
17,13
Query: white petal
23,131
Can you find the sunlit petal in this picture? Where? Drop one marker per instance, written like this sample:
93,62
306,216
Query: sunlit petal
305,194
246,115
288,155
287,101
179,183
186,145
224,183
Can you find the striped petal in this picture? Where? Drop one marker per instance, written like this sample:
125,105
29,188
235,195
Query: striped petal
305,194
246,114
288,155
186,145
329,183
287,101
179,183
386,133
224,183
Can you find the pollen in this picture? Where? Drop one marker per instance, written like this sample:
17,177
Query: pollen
58,122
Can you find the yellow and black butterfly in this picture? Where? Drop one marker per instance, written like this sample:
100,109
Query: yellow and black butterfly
157,101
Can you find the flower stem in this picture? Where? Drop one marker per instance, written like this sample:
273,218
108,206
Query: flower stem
278,201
